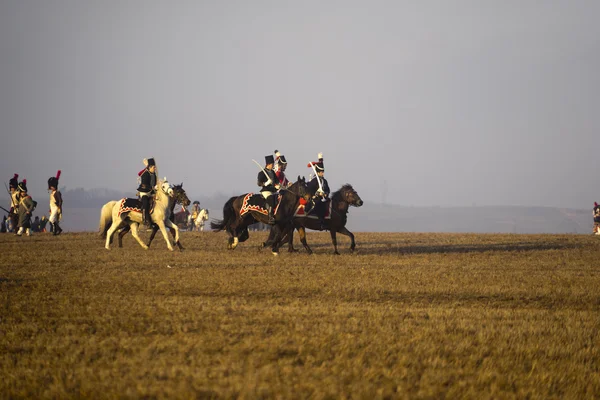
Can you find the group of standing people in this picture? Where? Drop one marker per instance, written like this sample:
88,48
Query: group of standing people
22,205
272,178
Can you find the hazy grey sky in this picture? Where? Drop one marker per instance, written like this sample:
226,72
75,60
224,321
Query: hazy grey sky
443,102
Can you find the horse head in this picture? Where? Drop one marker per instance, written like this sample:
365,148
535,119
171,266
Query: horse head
349,195
298,187
181,196
165,187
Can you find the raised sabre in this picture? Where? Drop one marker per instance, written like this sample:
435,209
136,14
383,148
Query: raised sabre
317,176
263,170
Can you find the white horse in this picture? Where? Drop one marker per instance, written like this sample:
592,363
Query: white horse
160,216
199,221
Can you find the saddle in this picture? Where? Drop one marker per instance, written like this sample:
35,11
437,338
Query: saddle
128,205
301,211
256,202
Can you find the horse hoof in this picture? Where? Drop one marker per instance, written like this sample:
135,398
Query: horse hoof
275,254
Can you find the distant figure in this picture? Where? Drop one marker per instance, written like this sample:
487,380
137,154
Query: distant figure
43,222
195,211
56,204
13,215
26,207
3,225
596,213
35,225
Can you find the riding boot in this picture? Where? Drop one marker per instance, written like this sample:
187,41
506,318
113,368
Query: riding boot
57,229
146,218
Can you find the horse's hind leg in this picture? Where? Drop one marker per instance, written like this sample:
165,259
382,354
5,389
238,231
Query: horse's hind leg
122,233
302,233
345,231
117,223
134,233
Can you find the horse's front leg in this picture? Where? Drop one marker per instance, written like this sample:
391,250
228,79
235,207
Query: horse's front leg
134,232
174,232
154,230
280,234
302,233
334,241
345,231
163,230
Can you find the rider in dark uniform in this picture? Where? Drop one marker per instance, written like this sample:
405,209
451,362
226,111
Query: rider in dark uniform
269,183
319,191
146,189
596,213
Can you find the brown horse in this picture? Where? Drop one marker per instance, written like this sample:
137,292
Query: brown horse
180,198
238,215
336,223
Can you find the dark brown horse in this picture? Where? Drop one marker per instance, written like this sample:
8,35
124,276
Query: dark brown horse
237,216
180,198
336,223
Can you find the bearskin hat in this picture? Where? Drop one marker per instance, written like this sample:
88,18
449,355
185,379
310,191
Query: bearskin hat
53,181
23,186
14,181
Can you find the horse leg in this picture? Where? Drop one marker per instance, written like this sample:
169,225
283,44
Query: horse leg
290,238
302,233
117,223
345,231
134,232
334,241
174,232
154,230
163,230
122,233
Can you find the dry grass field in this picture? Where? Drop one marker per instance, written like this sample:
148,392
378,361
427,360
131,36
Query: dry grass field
406,316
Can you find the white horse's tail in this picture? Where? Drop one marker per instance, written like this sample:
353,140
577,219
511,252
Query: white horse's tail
106,218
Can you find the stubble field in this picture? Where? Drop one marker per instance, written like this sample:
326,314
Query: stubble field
406,316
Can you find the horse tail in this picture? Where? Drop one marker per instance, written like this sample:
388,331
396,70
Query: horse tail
105,218
228,215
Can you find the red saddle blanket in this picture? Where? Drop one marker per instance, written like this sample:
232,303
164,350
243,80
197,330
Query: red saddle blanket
129,205
256,202
300,212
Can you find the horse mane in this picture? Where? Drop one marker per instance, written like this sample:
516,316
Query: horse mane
337,196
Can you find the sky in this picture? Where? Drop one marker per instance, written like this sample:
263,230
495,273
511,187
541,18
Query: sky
421,103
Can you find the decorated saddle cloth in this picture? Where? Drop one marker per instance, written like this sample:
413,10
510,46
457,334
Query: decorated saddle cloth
129,205
256,202
301,212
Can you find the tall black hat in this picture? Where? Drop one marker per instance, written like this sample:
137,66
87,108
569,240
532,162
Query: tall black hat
14,181
269,160
53,181
23,186
280,158
149,161
196,202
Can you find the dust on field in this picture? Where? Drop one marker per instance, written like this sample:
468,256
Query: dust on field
405,316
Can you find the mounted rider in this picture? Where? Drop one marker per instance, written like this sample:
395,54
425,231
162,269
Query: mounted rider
13,214
56,203
280,167
318,188
148,182
195,209
269,183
